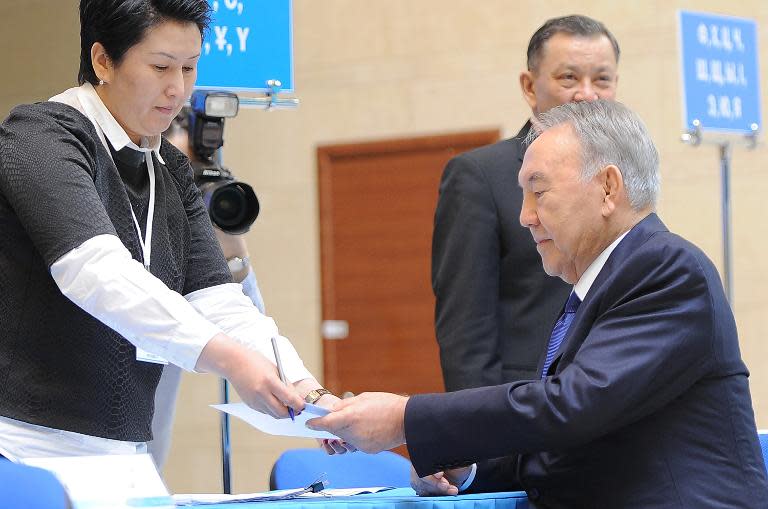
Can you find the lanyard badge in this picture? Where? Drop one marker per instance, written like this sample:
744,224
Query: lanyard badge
146,248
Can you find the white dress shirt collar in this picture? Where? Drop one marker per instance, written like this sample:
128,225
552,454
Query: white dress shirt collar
584,283
85,99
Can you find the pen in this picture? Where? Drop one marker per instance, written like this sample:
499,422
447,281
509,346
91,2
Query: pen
281,372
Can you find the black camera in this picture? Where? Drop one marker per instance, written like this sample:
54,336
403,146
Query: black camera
232,205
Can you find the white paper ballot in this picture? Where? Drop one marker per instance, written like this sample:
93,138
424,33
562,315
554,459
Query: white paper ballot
208,499
281,427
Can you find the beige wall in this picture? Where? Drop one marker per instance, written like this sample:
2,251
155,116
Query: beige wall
40,41
375,68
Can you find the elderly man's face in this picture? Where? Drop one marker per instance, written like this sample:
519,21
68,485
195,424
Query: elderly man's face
571,68
563,213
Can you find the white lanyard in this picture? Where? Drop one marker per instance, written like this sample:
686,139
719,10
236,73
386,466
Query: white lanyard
146,247
146,243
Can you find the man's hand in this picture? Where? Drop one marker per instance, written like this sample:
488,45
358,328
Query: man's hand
253,376
371,422
440,483
332,446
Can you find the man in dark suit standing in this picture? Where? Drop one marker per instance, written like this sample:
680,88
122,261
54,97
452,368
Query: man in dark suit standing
643,399
495,306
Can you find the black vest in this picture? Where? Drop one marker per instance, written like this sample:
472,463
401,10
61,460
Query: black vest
59,366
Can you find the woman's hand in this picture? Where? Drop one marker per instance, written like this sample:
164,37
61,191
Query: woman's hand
253,376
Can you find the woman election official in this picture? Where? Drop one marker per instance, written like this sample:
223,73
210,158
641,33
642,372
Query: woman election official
108,262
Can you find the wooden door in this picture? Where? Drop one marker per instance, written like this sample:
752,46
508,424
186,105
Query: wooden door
377,205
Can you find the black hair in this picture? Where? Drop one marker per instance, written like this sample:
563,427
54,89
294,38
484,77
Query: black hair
120,24
575,24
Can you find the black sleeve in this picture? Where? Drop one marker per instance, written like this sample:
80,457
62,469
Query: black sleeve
48,158
206,265
465,277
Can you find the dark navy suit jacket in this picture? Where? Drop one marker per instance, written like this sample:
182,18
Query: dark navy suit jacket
647,404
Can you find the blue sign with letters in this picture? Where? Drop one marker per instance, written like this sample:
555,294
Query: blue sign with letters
721,86
248,43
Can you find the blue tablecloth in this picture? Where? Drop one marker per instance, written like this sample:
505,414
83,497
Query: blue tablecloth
400,498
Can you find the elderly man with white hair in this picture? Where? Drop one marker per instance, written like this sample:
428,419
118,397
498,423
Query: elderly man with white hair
642,400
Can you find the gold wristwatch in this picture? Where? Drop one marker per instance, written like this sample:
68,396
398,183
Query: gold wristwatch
316,394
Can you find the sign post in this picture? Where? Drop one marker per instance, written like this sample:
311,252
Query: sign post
721,96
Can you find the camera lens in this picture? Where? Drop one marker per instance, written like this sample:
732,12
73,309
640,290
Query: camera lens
233,206
228,206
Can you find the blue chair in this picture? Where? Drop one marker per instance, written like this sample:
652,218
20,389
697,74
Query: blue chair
762,434
30,487
298,468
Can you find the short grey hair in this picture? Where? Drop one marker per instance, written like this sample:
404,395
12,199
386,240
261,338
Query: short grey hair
610,133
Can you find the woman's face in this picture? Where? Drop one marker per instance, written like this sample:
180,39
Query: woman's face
153,81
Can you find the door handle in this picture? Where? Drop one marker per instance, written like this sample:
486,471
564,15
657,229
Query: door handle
334,329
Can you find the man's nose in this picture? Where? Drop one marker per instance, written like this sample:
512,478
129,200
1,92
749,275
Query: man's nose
528,216
585,91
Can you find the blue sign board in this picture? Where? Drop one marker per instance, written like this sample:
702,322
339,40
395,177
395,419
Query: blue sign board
721,86
248,43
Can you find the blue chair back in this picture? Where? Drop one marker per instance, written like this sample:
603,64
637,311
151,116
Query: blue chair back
30,487
762,434
298,468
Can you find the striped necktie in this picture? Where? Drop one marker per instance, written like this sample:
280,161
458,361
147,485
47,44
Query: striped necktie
561,328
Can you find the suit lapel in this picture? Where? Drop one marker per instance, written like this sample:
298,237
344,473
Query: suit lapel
521,135
636,237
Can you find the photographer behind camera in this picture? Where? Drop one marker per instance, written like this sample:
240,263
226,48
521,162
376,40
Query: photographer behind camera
232,244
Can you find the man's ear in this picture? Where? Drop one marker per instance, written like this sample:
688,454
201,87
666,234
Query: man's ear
102,65
612,184
526,85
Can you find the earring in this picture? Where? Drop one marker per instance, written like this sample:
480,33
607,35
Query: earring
101,82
